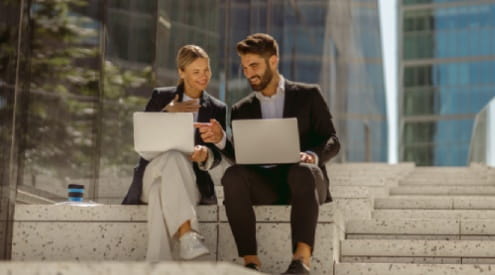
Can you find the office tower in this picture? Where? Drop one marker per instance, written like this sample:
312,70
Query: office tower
447,64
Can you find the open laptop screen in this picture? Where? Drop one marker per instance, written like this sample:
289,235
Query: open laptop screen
266,141
155,133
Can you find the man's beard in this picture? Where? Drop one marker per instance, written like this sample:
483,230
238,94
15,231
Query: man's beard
266,78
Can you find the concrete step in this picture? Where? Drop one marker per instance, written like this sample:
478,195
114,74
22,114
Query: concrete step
415,174
479,190
119,233
379,169
380,228
444,181
443,169
121,268
417,251
412,269
437,202
432,214
361,181
444,177
391,228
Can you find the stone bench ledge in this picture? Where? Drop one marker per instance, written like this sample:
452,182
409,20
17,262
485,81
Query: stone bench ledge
121,268
137,213
99,213
410,269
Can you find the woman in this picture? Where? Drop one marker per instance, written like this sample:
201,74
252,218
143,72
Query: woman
173,182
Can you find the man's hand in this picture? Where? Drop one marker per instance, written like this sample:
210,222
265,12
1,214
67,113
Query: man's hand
210,132
200,154
174,106
306,158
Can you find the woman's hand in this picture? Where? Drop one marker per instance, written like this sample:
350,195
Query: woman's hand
200,154
174,106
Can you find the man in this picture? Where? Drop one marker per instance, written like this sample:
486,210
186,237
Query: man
303,185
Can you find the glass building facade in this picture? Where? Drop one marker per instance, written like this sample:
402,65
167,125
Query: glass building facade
447,73
72,73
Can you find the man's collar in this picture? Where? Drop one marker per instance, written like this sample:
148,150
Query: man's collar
280,90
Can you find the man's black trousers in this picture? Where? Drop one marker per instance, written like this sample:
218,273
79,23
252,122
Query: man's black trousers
300,185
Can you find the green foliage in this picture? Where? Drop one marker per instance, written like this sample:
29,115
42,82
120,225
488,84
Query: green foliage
67,114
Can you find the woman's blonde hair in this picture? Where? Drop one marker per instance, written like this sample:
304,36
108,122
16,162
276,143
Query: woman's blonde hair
186,55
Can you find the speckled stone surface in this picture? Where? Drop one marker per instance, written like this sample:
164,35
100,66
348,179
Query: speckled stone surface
105,232
407,202
402,237
404,227
114,268
354,208
210,232
408,260
81,233
361,180
342,191
463,181
474,202
106,213
73,268
478,227
478,260
432,214
352,171
95,241
438,202
478,237
274,247
79,241
203,268
418,248
442,190
412,269
76,213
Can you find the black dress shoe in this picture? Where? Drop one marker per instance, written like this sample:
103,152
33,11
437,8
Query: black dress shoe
297,267
252,266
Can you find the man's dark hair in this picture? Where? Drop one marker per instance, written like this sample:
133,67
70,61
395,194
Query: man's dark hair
259,43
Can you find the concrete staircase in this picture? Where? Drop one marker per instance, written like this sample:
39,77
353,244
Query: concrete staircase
118,233
435,221
385,219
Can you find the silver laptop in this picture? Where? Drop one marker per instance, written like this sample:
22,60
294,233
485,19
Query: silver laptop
266,141
155,133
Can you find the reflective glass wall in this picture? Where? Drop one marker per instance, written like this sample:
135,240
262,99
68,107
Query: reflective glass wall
83,68
447,66
333,43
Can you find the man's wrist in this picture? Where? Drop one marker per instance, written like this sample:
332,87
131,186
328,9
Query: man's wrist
221,144
314,155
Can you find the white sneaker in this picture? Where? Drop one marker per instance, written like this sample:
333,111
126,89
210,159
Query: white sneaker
191,246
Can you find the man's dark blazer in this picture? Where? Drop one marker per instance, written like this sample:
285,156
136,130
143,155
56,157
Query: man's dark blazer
210,108
304,102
